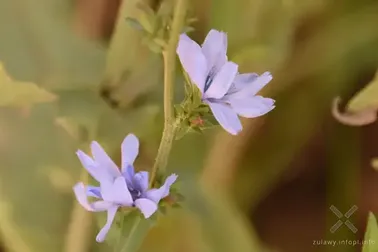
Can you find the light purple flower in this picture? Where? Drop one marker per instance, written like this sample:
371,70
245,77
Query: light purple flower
227,92
118,188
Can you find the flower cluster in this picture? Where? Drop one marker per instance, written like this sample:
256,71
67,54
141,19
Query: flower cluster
222,89
227,92
118,188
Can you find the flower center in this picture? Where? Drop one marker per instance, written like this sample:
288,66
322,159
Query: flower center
135,194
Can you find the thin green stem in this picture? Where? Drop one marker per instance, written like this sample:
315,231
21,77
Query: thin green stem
119,241
169,57
125,247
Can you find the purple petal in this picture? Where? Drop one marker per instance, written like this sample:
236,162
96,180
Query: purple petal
141,181
105,162
215,49
129,174
193,60
146,206
252,107
117,192
226,117
222,81
81,196
243,80
248,85
157,194
90,165
103,232
129,150
94,191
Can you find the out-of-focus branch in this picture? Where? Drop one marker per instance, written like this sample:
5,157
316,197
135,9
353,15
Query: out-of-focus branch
95,18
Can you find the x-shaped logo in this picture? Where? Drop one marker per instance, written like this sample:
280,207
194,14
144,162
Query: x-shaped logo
347,223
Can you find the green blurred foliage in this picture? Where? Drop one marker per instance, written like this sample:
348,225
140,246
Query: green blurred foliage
366,98
371,235
102,92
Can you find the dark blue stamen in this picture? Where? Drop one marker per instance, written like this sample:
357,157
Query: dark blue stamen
135,194
209,79
208,82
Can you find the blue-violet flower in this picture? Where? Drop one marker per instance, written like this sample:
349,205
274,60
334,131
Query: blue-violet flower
118,188
227,92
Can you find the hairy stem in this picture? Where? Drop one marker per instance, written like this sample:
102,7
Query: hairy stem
169,57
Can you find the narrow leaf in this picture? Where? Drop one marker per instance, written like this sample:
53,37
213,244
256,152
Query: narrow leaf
134,23
371,235
366,98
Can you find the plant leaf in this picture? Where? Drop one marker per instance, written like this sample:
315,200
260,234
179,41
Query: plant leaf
371,235
19,94
366,98
134,23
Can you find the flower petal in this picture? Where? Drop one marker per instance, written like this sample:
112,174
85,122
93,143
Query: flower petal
242,80
129,174
215,49
105,162
94,191
129,150
117,192
193,60
81,196
90,165
157,194
222,81
247,85
103,232
252,107
226,117
146,206
141,181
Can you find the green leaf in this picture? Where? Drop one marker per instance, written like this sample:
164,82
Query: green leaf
365,99
182,131
134,23
160,42
144,7
371,235
147,22
44,40
18,94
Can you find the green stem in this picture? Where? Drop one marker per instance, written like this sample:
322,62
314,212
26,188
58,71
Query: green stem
125,247
169,57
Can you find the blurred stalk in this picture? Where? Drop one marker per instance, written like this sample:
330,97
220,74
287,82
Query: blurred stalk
132,71
120,56
343,176
80,226
14,241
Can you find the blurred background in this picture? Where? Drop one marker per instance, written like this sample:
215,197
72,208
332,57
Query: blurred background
81,73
